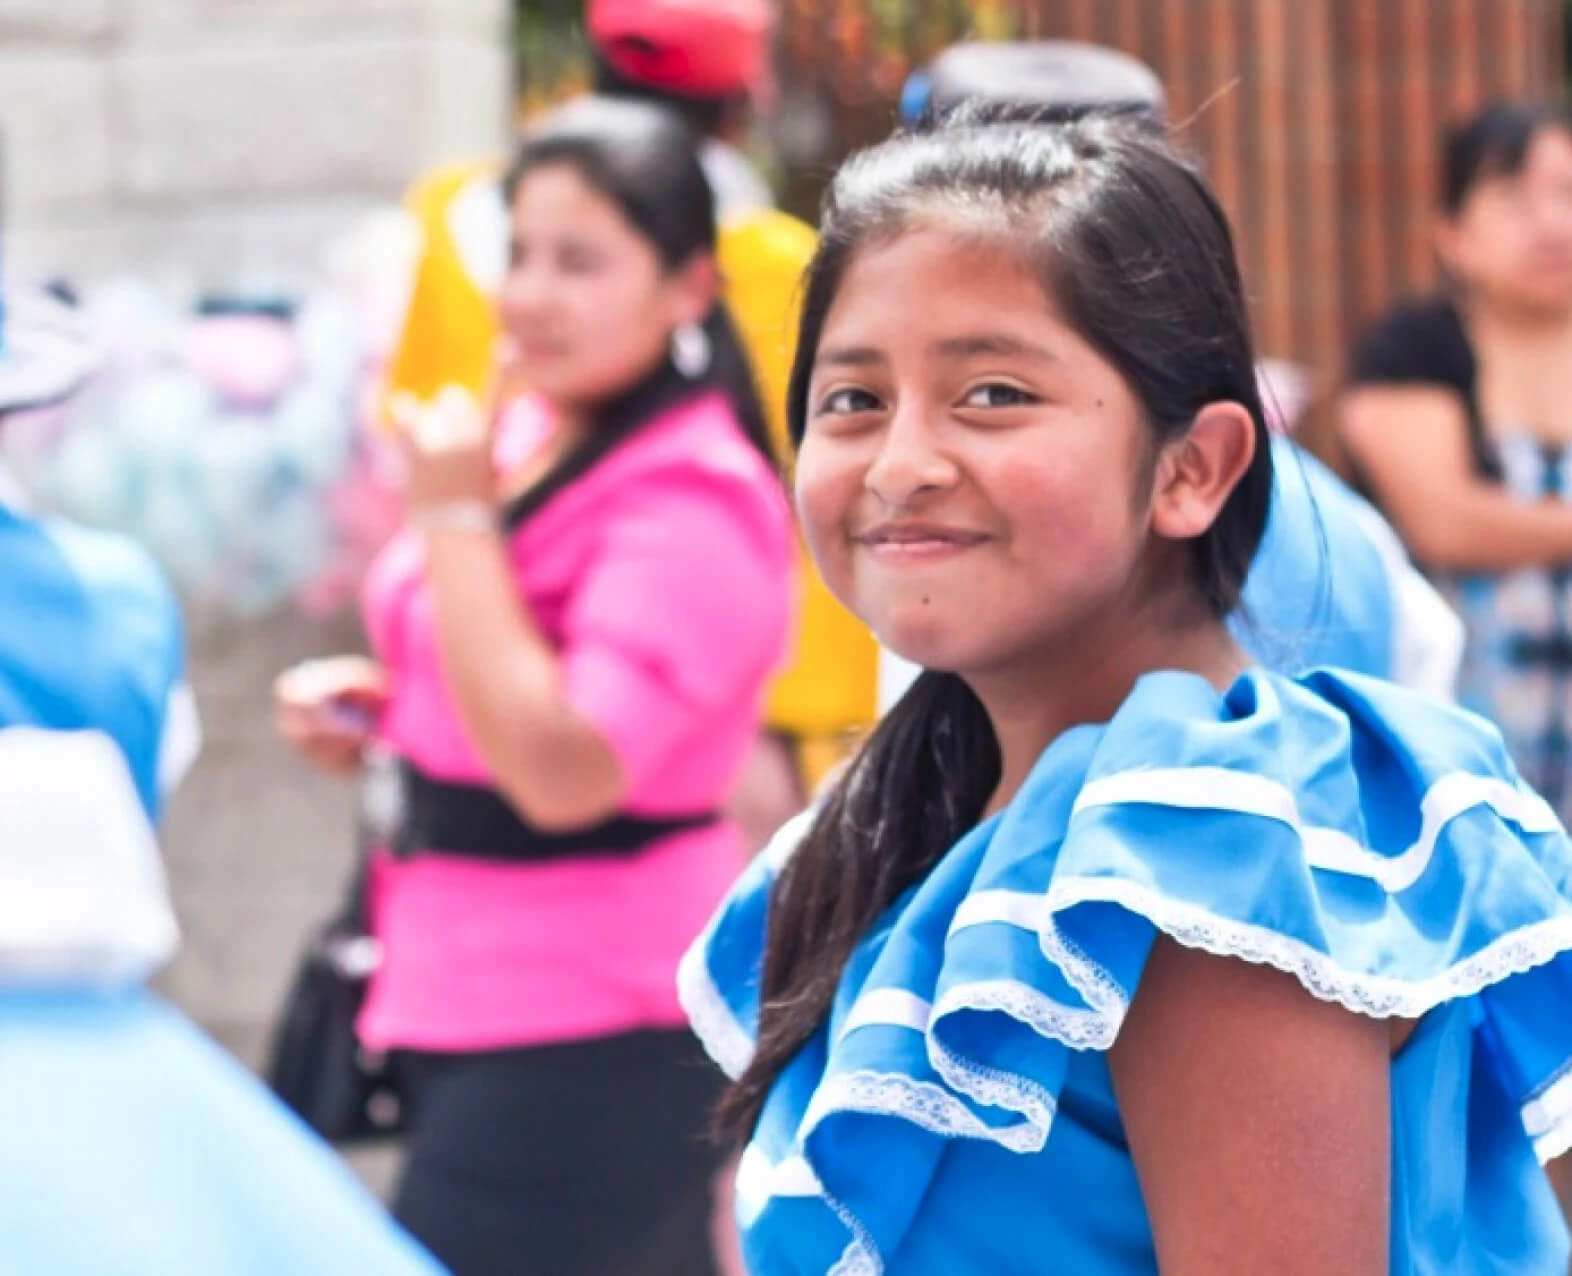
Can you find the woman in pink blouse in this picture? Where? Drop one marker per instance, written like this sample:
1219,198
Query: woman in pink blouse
572,640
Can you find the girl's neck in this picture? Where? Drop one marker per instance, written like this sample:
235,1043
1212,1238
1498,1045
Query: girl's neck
1032,704
569,421
1524,328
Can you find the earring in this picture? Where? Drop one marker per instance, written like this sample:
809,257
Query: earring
690,351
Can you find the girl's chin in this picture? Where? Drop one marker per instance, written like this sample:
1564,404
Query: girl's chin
930,645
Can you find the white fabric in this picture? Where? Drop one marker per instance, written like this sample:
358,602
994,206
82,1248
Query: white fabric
722,1034
1548,1120
46,350
1427,635
757,1180
13,496
82,890
1331,850
891,1007
719,1031
896,674
181,742
478,225
737,186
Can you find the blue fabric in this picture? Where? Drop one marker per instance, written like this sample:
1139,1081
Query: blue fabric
1516,669
1319,591
135,1146
956,1112
90,637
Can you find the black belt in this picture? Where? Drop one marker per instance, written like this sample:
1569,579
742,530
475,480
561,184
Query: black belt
412,812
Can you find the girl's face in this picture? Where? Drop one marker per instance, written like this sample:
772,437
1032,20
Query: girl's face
1513,236
587,303
975,480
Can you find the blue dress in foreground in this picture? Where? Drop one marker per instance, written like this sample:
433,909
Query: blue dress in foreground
91,638
956,1115
134,1146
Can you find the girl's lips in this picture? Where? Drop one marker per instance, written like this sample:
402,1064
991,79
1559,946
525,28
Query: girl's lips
918,542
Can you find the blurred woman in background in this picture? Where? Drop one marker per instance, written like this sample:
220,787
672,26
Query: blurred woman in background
1458,420
572,644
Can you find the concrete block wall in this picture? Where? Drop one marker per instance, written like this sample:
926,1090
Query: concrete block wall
207,143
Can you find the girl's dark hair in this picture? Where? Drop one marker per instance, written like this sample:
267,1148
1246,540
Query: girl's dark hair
1136,253
645,161
1494,142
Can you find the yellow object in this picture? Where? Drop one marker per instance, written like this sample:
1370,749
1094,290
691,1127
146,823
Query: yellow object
827,696
450,327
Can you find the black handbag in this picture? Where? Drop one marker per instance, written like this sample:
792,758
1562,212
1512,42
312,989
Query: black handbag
318,1066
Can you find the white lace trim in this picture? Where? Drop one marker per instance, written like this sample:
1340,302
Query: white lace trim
1073,1026
1378,996
758,1182
997,1088
1326,849
921,1103
857,1261
1092,1026
861,1256
723,1037
1097,987
1548,1118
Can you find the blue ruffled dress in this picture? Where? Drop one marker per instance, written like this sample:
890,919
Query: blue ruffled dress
956,1115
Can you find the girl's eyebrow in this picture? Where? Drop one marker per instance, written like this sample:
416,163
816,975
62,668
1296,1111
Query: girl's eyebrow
849,357
1001,344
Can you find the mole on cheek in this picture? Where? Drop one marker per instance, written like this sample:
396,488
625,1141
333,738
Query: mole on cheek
925,600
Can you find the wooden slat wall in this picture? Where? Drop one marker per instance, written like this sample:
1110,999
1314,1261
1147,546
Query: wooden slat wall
1317,119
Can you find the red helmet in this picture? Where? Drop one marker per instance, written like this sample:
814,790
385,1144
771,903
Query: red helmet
695,48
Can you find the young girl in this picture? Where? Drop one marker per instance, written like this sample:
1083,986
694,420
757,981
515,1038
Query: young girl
1111,953
574,641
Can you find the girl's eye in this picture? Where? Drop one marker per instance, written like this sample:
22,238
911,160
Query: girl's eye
997,394
846,401
576,259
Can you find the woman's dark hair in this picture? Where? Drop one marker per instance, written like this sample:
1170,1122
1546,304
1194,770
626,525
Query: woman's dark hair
645,161
1135,252
706,116
1494,142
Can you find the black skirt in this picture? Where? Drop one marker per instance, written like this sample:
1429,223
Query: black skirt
589,1158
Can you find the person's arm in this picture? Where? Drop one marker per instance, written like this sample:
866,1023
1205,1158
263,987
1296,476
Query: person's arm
1559,1172
1257,1118
1410,443
679,612
553,765
548,760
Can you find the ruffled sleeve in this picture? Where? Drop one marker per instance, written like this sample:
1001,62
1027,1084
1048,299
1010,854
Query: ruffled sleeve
1377,846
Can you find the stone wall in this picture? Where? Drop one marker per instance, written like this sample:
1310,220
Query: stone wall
205,143
215,143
